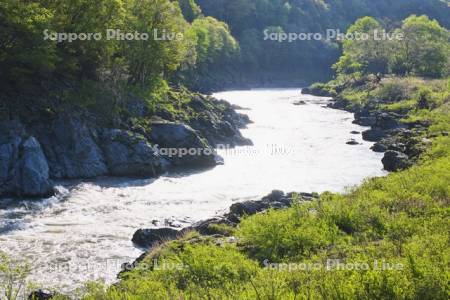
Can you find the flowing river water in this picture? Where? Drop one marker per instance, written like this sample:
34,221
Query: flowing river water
85,234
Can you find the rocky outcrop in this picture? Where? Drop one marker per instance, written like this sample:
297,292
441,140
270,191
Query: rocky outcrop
148,238
392,136
80,145
24,170
181,145
218,122
395,161
374,134
129,154
151,237
71,148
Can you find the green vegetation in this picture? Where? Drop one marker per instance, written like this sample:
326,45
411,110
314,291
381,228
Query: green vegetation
421,48
42,74
13,278
386,239
401,221
267,60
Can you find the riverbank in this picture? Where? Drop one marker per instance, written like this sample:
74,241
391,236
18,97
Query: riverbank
388,236
137,141
304,150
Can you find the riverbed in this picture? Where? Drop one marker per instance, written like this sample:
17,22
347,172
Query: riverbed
85,233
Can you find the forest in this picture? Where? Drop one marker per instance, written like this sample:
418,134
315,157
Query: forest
398,220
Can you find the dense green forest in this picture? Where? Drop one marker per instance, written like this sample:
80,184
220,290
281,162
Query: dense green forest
48,73
264,60
210,55
401,219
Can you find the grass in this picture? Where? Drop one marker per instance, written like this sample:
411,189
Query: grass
385,239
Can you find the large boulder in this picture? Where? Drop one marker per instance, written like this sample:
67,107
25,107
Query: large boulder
395,161
151,237
181,145
71,149
365,121
218,122
129,154
387,121
31,172
23,166
374,135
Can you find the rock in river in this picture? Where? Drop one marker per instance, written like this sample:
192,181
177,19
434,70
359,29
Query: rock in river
151,237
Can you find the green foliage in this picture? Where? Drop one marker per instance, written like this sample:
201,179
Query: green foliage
365,55
385,239
13,278
266,60
148,60
190,9
23,51
424,51
215,50
421,47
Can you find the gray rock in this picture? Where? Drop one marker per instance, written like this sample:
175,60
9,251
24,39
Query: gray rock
181,145
248,208
379,147
41,295
374,134
129,154
387,121
151,237
31,172
395,161
365,121
23,166
71,149
352,142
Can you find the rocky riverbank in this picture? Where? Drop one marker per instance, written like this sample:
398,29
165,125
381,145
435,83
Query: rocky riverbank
216,227
400,141
78,145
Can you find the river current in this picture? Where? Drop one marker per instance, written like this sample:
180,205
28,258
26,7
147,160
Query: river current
85,233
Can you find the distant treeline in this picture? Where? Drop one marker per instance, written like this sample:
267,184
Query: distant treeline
222,42
307,59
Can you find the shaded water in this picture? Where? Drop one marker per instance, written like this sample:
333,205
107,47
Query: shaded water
86,234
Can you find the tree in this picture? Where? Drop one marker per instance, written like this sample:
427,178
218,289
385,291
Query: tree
361,51
425,49
149,60
25,58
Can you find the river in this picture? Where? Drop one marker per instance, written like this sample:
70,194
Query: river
85,233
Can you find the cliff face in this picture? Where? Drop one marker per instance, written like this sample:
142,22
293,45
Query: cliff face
75,146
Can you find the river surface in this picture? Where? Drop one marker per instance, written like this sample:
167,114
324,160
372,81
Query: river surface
85,233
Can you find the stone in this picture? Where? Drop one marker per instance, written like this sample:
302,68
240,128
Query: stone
151,237
129,154
352,142
31,173
395,161
374,134
71,149
181,145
